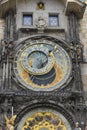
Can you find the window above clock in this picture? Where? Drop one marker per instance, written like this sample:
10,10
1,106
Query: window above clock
27,19
53,20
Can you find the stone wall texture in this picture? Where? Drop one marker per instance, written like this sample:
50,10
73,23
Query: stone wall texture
83,38
1,29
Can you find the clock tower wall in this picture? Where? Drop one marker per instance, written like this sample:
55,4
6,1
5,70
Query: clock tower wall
83,38
53,13
31,34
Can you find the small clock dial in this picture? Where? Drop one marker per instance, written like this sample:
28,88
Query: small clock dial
37,59
42,65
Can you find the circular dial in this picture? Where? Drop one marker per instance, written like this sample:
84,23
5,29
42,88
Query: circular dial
42,65
43,119
37,60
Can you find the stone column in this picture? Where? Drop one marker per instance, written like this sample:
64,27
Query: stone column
77,54
2,26
83,38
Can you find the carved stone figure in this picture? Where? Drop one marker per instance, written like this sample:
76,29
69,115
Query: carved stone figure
7,50
10,50
77,126
79,51
72,54
4,49
41,24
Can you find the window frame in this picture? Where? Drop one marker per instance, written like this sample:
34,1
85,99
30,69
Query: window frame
27,14
54,15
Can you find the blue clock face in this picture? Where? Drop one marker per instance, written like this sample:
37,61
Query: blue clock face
37,60
42,65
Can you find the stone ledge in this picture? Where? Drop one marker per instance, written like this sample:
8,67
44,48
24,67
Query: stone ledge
28,28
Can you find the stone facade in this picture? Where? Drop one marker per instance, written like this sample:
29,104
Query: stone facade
2,25
50,8
25,6
83,39
14,35
31,7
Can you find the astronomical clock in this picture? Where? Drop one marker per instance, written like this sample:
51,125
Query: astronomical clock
42,65
40,79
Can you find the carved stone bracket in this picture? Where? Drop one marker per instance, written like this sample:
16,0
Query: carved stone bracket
75,6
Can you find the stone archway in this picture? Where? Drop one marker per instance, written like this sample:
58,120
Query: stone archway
47,113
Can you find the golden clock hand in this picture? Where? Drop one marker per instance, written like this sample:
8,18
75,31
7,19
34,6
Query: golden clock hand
54,50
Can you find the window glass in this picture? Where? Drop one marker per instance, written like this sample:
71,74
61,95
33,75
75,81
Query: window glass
53,20
27,19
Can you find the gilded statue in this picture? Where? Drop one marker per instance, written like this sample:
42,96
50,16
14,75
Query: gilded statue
10,122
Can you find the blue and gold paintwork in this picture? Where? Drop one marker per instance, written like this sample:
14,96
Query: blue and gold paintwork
42,65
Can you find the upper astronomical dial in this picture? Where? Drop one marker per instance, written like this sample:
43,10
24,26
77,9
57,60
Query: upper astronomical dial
42,65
